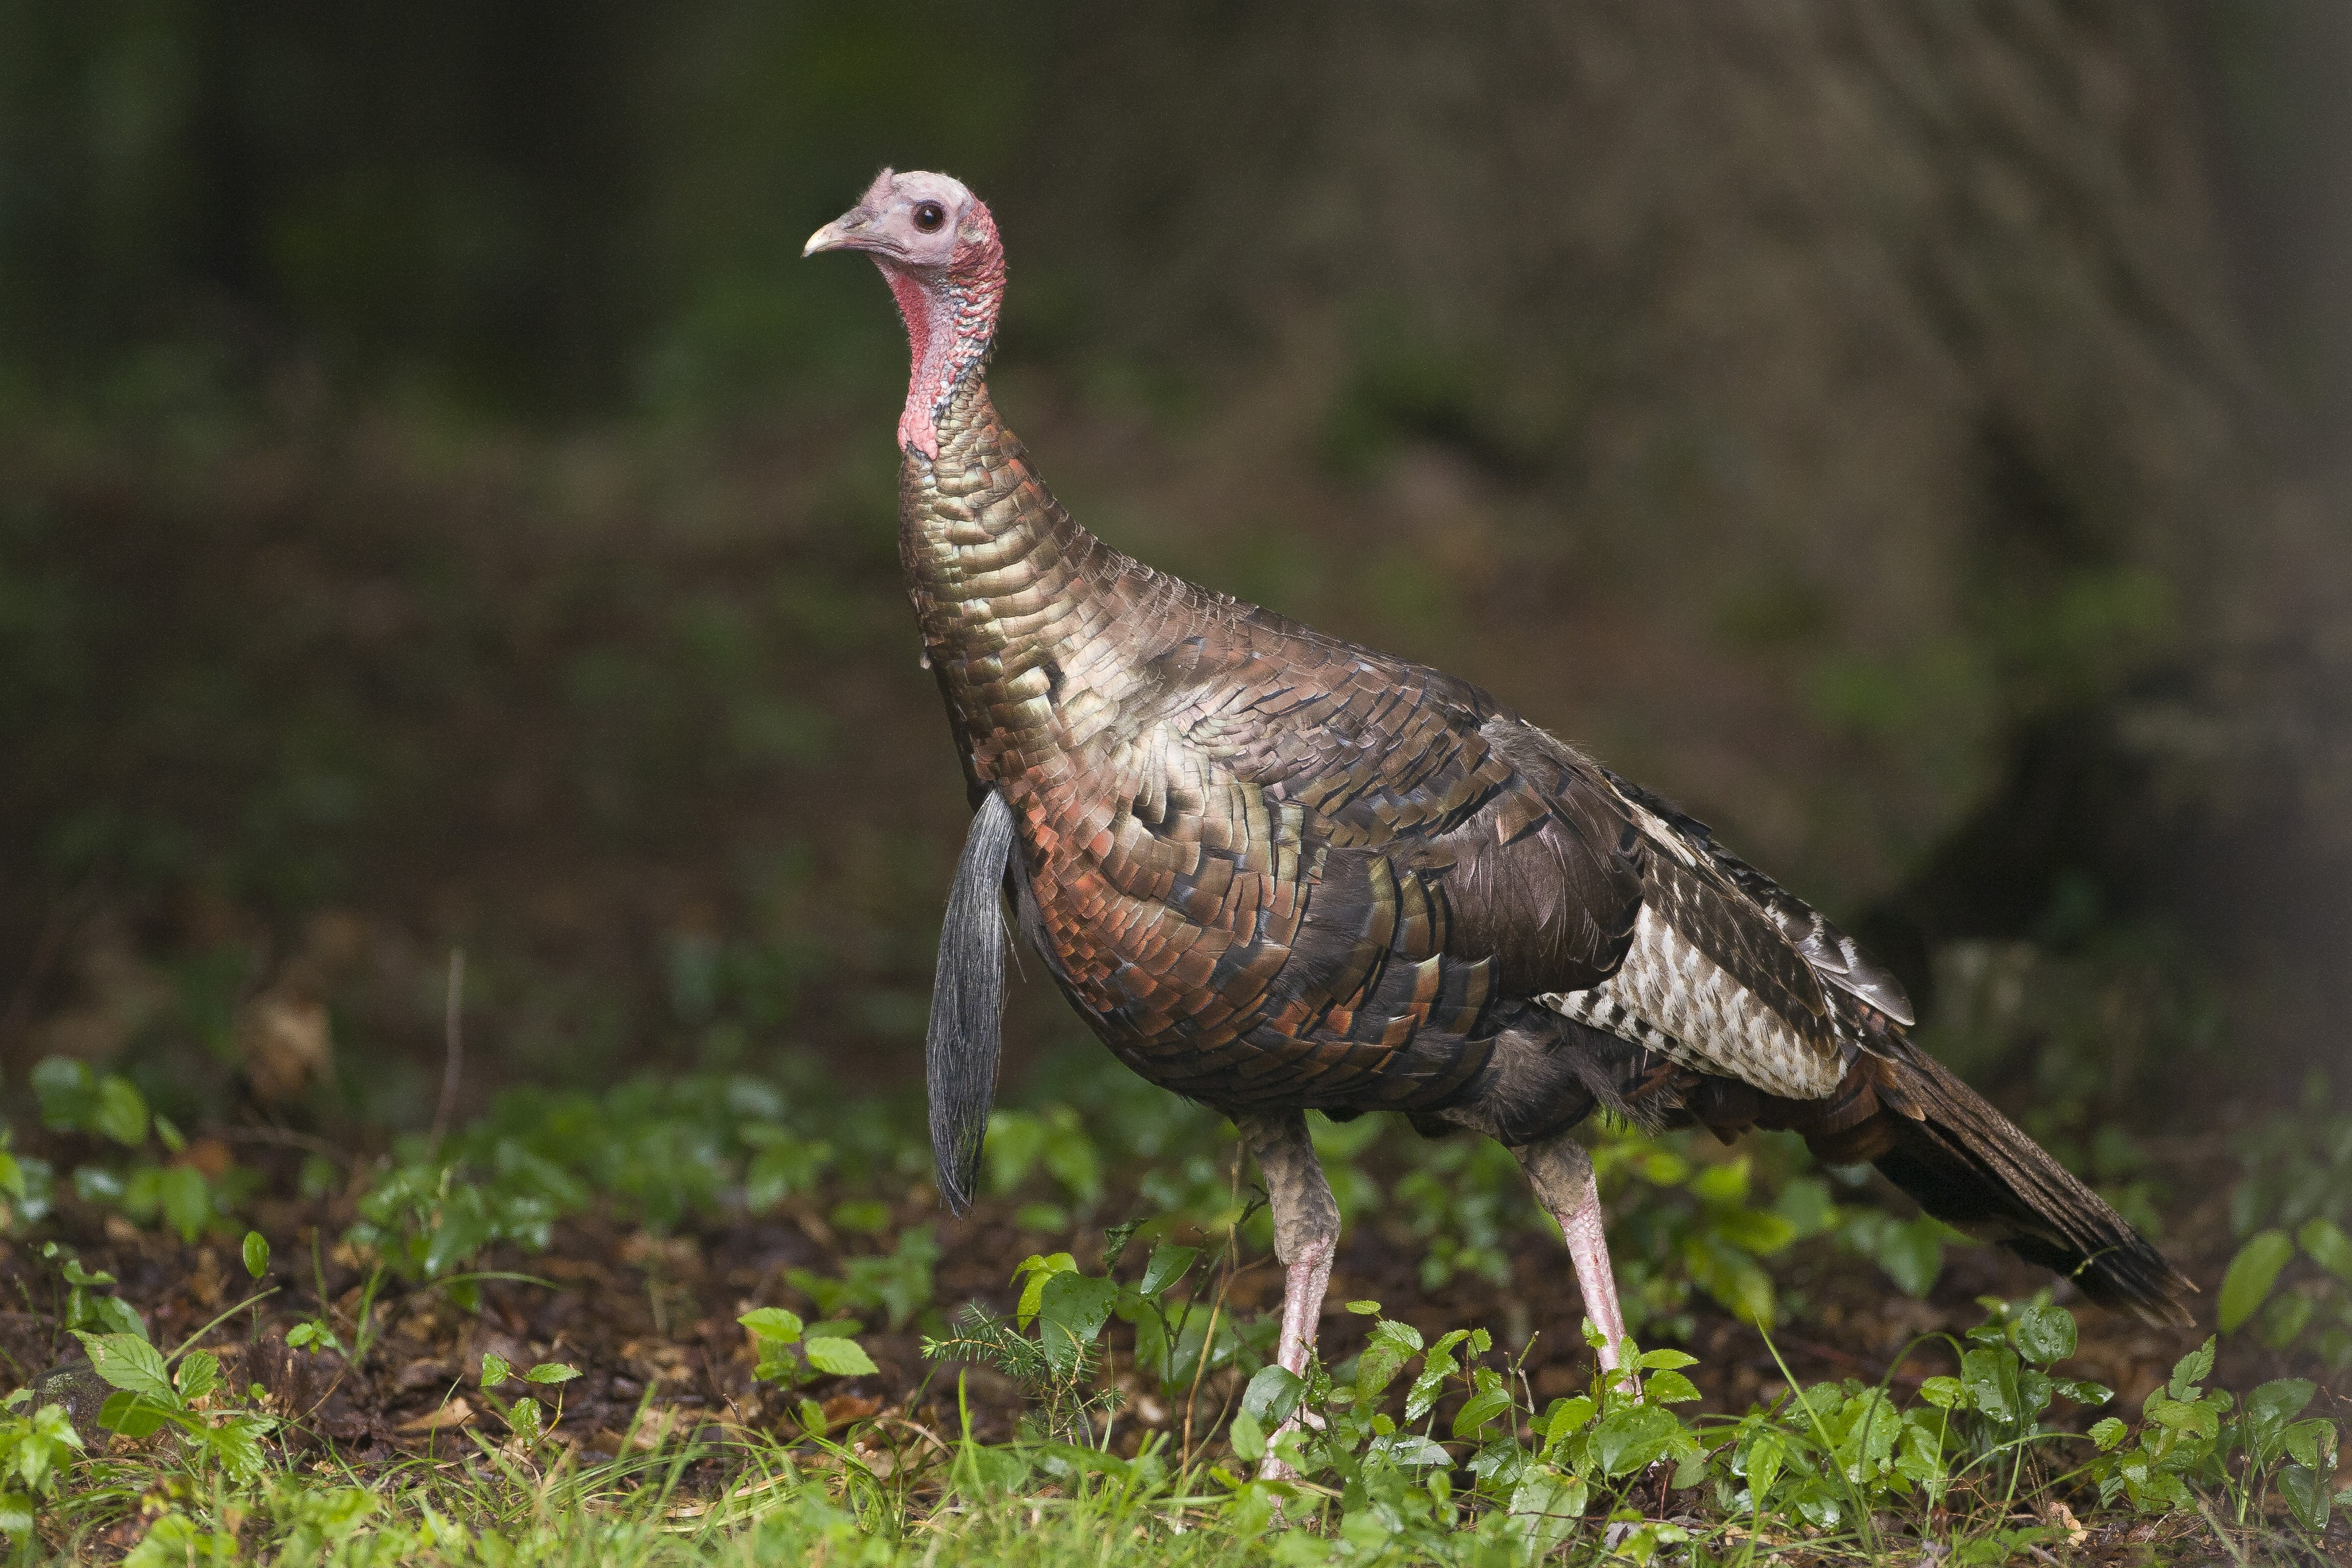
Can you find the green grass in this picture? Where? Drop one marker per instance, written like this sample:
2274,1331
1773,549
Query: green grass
1417,1446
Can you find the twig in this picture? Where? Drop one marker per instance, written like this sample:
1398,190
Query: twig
453,1035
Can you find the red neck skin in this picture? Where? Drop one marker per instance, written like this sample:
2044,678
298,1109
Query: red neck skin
950,316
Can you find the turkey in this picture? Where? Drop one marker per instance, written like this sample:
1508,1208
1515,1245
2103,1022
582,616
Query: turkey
1277,873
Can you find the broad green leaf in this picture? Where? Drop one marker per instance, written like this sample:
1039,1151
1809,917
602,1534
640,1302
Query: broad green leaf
1071,1310
2107,1433
2251,1274
126,1360
237,1444
1437,1364
121,1113
187,1200
1039,1268
135,1416
1167,1265
1665,1359
495,1370
551,1372
1272,1394
2328,1247
257,1254
2306,1495
1247,1434
1757,1230
1669,1388
1567,1417
2045,1333
1632,1436
772,1323
1365,1308
15,1515
1944,1393
2191,1372
199,1375
1991,1376
839,1357
1393,1343
1479,1410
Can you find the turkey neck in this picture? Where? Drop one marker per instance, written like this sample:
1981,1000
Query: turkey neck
1015,600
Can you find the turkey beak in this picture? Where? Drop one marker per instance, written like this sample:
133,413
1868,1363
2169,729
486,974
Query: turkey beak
839,235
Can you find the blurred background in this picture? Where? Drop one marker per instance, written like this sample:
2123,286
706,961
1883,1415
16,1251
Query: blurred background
438,509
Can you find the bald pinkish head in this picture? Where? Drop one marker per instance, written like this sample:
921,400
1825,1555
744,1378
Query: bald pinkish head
937,247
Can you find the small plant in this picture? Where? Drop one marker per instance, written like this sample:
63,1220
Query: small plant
525,1419
85,1308
2291,1280
148,1395
897,1283
35,1446
176,1190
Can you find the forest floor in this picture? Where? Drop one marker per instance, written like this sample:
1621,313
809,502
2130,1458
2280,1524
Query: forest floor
648,1319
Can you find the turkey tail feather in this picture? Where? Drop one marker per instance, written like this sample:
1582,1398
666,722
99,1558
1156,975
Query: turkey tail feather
1971,1166
966,1033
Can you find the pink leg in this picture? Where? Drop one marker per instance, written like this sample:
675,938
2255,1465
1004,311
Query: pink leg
1561,1174
1306,1236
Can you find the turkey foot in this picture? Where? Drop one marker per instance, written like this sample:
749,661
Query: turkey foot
1306,1235
1561,1174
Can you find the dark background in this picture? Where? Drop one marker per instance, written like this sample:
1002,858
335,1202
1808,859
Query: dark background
437,508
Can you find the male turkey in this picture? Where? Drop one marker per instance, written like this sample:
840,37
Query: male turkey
1279,873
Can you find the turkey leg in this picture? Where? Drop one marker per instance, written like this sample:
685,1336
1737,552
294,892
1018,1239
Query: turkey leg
1306,1235
1562,1173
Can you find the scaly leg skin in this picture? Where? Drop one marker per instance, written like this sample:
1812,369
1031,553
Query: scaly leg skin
1561,1174
1306,1235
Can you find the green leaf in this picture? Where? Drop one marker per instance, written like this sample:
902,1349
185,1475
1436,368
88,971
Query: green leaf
1757,1230
839,1357
2251,1274
187,1200
1071,1310
2107,1433
1039,1268
126,1360
495,1370
257,1254
1391,1344
1567,1417
1272,1394
1248,1438
1632,1436
135,1416
773,1324
199,1375
1944,1393
2045,1333
2190,1371
121,1113
1669,1388
1365,1308
551,1372
2306,1495
2328,1247
15,1515
1167,1265
1665,1359
237,1444
1481,1409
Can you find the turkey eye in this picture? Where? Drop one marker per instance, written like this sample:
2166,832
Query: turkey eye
928,216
